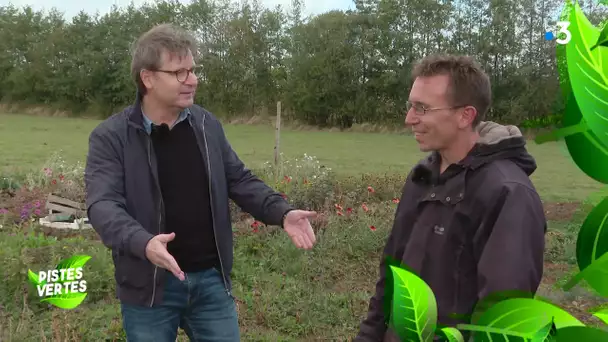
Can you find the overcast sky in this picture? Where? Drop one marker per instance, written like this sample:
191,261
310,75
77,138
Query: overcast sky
72,7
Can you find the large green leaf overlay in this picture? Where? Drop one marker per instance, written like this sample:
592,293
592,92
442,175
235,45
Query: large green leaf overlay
602,315
592,241
588,78
584,143
450,334
591,250
519,319
414,309
546,333
581,334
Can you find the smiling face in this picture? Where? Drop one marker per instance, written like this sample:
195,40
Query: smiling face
440,125
171,84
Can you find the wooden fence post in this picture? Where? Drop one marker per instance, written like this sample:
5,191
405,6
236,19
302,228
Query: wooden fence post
277,139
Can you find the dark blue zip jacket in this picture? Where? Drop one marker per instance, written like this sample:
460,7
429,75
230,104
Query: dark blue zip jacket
125,206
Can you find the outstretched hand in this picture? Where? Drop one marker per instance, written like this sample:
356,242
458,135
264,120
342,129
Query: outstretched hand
298,228
156,252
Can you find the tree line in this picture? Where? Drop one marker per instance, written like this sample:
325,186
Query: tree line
332,69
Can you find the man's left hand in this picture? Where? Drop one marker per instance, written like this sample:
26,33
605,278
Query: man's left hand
298,228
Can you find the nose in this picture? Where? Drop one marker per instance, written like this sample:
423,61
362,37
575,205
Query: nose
192,79
411,118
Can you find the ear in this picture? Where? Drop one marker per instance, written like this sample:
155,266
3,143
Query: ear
469,113
146,78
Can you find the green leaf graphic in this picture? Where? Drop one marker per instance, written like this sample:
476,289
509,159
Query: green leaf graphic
414,309
519,319
546,333
582,334
387,302
67,300
492,299
602,315
591,248
588,78
33,277
450,334
586,150
74,262
602,40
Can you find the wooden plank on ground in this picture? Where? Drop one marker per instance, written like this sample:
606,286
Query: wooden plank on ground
63,205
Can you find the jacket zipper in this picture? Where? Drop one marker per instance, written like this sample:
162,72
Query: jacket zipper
212,215
160,217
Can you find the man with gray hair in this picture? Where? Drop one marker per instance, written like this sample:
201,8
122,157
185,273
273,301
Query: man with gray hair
159,176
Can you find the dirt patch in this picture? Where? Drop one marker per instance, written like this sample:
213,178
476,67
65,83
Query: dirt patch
578,301
560,211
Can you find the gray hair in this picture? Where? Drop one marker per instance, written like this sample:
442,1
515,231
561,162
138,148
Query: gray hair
148,49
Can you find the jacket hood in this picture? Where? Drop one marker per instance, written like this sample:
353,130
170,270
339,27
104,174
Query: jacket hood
498,141
495,142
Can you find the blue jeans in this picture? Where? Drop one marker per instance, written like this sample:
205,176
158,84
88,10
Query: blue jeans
199,305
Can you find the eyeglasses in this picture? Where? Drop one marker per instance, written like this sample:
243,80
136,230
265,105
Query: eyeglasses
421,110
182,74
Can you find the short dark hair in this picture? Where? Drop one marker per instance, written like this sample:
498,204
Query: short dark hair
469,84
148,49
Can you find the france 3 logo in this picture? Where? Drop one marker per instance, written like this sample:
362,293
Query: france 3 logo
562,35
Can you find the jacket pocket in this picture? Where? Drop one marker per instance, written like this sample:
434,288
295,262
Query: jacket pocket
133,272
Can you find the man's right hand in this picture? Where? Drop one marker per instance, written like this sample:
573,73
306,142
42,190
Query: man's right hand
156,252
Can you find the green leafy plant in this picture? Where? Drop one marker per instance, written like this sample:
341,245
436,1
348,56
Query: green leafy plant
64,299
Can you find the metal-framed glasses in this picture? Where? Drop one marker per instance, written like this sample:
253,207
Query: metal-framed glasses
182,74
421,110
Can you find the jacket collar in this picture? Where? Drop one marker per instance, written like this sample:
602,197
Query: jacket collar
137,117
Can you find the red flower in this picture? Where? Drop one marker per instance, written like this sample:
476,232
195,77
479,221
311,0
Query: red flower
255,226
370,189
373,228
349,210
287,179
61,177
364,206
54,182
395,200
339,207
339,213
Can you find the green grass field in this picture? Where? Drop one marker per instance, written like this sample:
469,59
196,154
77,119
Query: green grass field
283,294
27,141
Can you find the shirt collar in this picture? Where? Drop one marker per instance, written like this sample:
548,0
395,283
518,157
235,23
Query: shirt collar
182,116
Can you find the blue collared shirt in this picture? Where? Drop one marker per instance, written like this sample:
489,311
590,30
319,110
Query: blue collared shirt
182,116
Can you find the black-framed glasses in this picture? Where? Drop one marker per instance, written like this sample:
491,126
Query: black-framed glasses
421,110
182,74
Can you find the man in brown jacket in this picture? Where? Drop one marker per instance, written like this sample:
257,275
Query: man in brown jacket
470,223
